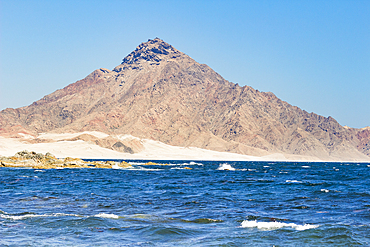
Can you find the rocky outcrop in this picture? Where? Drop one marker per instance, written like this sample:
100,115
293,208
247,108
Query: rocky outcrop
118,144
48,161
125,145
363,136
160,93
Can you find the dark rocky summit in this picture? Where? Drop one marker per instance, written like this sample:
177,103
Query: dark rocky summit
160,93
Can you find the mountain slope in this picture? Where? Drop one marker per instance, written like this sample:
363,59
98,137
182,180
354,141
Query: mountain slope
160,93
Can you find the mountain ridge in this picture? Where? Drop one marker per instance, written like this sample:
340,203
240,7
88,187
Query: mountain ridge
160,93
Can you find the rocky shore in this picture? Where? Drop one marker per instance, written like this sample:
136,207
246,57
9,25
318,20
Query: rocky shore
48,161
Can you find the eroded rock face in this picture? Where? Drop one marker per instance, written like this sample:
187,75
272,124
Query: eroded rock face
364,140
152,51
115,143
160,93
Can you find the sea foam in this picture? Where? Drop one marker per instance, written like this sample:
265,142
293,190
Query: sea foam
194,163
275,225
108,216
293,181
21,217
226,167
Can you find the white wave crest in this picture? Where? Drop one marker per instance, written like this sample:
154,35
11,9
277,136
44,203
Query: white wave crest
195,163
248,170
275,225
108,216
21,217
191,163
226,167
293,181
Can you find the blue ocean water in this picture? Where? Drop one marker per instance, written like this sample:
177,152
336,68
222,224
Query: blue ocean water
212,204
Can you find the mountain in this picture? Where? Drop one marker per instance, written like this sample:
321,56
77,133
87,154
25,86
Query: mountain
160,93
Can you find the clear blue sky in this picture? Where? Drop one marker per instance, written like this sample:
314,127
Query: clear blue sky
314,54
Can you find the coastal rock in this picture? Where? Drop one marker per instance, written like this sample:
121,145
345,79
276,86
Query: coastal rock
48,161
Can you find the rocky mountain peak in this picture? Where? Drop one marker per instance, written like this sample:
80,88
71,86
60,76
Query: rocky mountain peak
162,94
154,50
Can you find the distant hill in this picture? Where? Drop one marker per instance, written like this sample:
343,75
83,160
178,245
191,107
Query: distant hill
160,93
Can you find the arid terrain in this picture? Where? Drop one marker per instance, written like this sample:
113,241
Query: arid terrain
161,94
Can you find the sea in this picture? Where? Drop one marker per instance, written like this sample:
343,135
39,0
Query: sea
188,203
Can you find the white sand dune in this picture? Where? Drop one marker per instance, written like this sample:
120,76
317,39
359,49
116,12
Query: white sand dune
153,150
63,136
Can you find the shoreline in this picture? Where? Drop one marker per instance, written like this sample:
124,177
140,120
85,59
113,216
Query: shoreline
62,146
25,159
225,161
33,160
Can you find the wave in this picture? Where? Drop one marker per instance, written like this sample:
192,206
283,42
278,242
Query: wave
203,221
31,215
24,216
275,225
192,163
226,167
293,181
107,216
